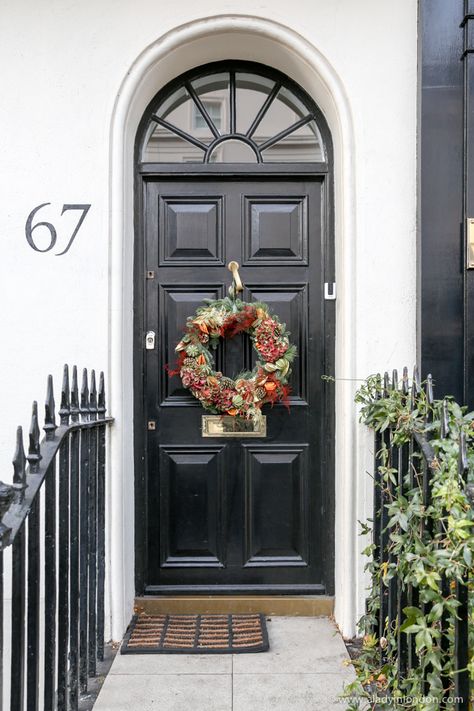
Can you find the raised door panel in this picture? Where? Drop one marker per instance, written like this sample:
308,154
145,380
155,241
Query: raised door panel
191,230
191,506
275,230
276,505
290,303
176,304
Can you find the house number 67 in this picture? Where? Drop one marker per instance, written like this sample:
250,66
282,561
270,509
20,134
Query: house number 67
30,227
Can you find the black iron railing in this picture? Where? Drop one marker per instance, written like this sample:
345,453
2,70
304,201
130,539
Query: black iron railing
53,518
412,463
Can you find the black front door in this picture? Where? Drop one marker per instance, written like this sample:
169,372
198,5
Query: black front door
241,514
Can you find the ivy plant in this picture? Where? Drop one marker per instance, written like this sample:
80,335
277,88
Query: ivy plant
431,549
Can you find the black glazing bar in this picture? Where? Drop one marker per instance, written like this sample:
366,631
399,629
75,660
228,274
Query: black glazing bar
101,541
18,623
377,505
232,102
461,647
1,631
33,652
83,560
74,574
50,590
195,97
283,134
182,134
63,577
92,542
263,110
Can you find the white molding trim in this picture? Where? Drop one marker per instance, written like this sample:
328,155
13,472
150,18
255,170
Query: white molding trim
192,44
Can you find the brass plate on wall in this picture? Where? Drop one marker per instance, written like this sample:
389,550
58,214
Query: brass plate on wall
228,426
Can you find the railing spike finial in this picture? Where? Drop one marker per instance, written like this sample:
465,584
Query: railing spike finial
429,397
395,379
84,406
74,396
101,397
50,414
405,386
19,463
429,389
93,397
34,454
415,387
386,384
444,427
463,463
64,409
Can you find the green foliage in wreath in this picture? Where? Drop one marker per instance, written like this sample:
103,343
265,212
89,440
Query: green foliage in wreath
244,395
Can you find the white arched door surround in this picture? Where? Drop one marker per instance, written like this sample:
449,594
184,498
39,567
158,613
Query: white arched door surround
193,44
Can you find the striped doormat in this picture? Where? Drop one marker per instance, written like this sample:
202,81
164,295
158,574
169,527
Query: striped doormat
196,634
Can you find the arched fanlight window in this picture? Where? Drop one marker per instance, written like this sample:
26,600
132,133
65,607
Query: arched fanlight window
233,113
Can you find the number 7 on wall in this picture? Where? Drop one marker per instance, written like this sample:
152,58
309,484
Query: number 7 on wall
30,228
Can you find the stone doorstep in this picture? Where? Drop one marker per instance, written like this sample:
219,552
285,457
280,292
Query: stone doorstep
271,605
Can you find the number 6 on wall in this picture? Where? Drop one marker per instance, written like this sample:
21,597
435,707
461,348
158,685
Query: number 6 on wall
30,228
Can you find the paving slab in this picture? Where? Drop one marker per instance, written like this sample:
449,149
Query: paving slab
305,670
134,664
287,692
298,645
166,692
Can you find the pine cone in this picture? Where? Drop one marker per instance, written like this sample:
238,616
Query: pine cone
260,392
227,382
189,361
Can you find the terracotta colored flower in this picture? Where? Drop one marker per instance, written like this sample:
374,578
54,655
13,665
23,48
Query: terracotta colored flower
267,383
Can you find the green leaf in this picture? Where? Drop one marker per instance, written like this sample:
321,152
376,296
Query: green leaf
467,555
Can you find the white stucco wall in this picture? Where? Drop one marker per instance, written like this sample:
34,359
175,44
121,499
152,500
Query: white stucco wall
75,78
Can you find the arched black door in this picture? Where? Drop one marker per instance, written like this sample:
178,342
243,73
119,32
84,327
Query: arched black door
233,163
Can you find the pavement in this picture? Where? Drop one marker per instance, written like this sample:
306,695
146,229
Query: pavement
304,670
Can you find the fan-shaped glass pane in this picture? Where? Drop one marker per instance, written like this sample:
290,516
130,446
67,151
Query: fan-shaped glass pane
213,91
164,146
251,93
200,112
301,146
233,151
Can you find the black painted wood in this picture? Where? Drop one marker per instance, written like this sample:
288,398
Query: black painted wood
441,267
235,513
277,220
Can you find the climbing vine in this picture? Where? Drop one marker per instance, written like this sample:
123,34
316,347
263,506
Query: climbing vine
431,548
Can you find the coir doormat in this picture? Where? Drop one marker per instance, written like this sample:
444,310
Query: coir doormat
196,634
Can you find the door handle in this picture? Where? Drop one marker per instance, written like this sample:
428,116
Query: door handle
234,268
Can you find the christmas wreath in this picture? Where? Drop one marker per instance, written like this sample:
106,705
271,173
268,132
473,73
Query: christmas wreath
245,395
